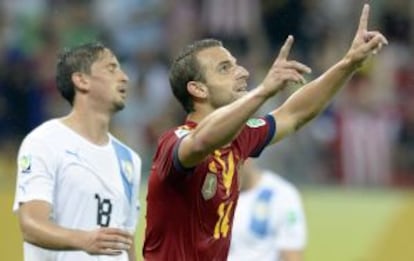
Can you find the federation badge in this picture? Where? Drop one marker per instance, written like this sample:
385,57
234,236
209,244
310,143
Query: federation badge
210,186
255,122
127,169
25,164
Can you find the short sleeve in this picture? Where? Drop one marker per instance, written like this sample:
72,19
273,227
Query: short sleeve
292,232
166,161
35,172
256,135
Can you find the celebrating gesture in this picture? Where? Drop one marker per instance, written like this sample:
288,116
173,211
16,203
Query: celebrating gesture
193,186
365,42
284,71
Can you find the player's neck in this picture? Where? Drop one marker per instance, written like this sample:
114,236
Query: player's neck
90,125
199,114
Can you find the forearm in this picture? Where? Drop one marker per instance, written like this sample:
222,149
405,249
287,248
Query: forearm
220,127
312,98
46,234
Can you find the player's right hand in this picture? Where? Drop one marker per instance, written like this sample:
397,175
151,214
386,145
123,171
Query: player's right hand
284,71
106,241
365,43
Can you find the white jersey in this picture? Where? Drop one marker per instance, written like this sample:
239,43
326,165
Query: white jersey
88,186
268,218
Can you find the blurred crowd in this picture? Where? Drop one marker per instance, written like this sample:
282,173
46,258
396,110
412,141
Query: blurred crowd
365,138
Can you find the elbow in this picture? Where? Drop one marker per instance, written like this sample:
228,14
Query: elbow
26,228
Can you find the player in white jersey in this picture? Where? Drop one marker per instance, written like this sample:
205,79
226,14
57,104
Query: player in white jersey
269,222
77,186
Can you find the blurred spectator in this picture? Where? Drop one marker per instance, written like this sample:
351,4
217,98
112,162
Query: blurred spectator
144,32
132,25
21,102
183,24
365,132
281,18
405,140
232,21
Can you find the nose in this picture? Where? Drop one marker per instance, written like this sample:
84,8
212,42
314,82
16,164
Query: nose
124,77
242,72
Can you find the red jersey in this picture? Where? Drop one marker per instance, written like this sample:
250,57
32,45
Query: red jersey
190,211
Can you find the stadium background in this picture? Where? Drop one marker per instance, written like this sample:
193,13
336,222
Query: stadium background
354,164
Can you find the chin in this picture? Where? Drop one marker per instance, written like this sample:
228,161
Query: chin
119,106
240,94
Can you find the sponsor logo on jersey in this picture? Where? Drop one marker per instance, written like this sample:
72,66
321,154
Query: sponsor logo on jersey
127,168
255,123
25,164
210,186
73,153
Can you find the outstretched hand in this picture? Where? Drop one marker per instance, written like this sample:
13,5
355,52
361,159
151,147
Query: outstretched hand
284,71
365,43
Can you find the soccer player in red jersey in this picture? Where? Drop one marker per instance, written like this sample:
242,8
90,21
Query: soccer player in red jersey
193,186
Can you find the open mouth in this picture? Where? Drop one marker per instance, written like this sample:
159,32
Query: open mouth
242,89
122,90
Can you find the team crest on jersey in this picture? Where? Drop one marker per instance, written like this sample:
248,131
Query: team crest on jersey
127,168
210,186
25,164
255,122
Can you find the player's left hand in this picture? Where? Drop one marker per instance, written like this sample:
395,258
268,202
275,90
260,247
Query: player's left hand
365,43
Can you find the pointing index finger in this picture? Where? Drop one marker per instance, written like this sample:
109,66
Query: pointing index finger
363,21
285,50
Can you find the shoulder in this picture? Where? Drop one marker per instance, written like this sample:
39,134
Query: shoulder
174,134
46,134
47,129
259,128
121,144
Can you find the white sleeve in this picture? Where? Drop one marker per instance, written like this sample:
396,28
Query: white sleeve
292,233
135,211
35,172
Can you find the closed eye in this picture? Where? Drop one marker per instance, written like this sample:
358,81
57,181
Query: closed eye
224,67
112,67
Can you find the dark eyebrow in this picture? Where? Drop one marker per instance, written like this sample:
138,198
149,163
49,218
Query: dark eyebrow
228,61
112,64
223,63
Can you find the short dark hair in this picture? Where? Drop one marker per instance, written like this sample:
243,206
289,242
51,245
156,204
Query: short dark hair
185,68
76,59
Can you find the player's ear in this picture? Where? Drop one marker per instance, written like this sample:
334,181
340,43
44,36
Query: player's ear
197,89
80,81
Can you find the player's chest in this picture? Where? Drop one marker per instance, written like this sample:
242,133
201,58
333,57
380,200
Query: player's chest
83,169
218,180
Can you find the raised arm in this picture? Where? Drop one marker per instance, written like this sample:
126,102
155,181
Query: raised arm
306,103
221,127
38,229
